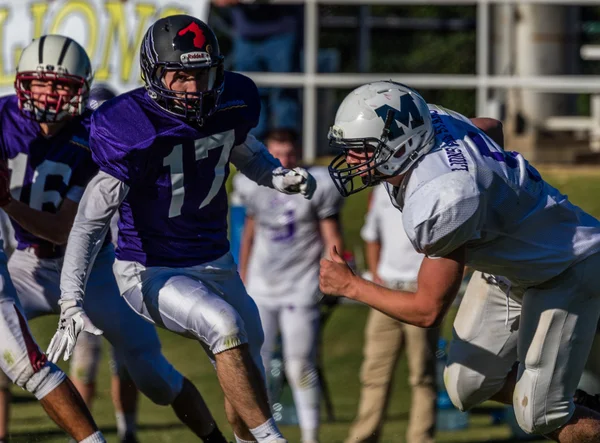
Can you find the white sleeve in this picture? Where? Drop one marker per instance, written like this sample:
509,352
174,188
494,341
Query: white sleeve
100,201
443,214
254,161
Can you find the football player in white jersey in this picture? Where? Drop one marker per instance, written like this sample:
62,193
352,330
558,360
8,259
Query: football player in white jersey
284,238
466,201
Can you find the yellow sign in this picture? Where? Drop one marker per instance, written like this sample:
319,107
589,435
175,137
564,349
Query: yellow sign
111,31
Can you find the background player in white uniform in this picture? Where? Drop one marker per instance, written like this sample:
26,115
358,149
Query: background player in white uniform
465,200
45,140
284,238
173,262
393,263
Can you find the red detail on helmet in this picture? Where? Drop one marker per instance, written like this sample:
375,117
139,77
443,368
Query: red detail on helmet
50,104
199,38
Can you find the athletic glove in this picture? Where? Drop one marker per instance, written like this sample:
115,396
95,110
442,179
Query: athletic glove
294,181
73,320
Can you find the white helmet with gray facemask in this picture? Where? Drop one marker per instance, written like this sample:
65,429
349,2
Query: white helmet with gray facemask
389,124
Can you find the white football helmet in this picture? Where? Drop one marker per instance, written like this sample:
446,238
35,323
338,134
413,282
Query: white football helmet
390,123
62,61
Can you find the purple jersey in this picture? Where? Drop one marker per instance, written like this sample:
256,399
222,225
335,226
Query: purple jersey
175,213
44,171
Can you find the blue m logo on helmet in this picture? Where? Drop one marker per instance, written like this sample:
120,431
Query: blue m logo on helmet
408,109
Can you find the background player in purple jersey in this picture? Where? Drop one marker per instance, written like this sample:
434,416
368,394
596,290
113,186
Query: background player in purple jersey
45,132
164,154
21,358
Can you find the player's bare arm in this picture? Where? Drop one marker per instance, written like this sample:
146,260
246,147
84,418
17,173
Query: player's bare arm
246,246
52,227
438,284
331,234
492,127
372,254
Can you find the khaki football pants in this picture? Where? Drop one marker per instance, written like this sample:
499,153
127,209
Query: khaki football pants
385,339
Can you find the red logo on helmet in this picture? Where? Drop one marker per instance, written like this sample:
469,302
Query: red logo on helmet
199,38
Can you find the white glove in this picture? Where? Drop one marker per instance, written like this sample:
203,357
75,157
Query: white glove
294,181
73,320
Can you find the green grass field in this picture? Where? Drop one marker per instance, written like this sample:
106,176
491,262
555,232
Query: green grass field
343,340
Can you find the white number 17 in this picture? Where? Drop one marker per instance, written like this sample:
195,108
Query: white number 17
174,161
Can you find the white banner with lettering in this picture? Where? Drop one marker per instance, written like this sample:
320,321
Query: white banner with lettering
111,31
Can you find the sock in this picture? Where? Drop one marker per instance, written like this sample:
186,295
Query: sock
267,432
125,424
309,435
215,436
307,408
239,440
96,437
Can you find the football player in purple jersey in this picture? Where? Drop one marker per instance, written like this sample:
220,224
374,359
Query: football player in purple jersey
22,359
164,152
45,134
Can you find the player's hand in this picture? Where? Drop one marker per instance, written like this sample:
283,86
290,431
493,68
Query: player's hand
294,181
335,276
5,196
73,320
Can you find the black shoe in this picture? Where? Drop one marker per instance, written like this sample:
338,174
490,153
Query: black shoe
582,398
129,438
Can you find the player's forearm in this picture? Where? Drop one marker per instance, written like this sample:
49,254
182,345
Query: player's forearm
332,234
372,253
52,227
407,307
100,201
254,161
492,127
246,248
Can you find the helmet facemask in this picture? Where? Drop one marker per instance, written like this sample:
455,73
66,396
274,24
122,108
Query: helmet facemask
64,73
51,107
377,155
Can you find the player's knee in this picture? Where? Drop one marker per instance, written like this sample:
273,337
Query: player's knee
226,330
154,376
39,380
540,422
86,358
539,416
302,373
466,387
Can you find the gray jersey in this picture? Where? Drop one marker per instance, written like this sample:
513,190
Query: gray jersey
468,191
284,264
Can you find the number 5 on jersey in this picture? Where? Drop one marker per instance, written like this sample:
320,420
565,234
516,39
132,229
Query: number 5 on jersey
174,161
